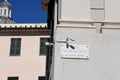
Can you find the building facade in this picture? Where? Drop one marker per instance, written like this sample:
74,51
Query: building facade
45,5
86,40
22,48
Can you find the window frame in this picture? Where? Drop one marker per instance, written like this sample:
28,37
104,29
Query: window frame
47,39
10,78
5,12
15,46
42,77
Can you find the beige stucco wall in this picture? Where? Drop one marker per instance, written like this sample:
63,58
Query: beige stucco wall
29,65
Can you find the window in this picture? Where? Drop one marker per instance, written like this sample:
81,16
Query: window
44,49
1,12
5,12
13,78
42,78
15,46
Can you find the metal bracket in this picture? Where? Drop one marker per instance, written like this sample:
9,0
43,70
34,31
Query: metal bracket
67,43
98,26
49,44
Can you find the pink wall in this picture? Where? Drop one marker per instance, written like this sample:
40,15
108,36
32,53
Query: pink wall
29,65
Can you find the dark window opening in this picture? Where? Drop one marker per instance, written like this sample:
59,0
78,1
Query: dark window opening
1,12
13,78
15,46
42,78
44,49
4,12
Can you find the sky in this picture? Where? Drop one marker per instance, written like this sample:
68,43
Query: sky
28,11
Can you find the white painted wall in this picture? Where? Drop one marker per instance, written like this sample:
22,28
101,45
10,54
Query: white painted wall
29,65
104,55
81,10
112,11
75,9
104,48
